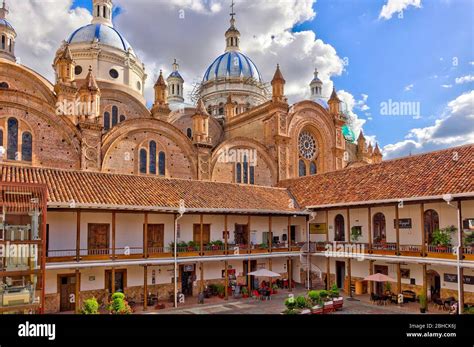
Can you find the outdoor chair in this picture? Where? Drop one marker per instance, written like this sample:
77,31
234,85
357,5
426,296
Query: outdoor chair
255,294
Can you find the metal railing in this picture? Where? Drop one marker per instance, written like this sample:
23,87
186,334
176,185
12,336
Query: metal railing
440,249
384,246
411,248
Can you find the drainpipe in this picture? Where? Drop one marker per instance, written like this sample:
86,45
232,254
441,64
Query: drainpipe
181,211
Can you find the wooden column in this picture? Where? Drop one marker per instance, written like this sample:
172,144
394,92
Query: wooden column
226,274
249,286
201,233
399,279
290,274
422,227
112,281
348,238
249,224
370,284
113,235
326,220
77,292
289,233
78,235
369,220
226,236
328,273
349,276
461,257
201,285
425,282
397,228
145,236
145,287
270,235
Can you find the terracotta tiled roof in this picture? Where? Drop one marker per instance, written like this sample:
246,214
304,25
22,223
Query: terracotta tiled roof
449,171
143,192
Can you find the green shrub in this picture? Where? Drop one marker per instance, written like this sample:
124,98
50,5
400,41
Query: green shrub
302,302
90,306
314,296
118,305
423,301
442,237
334,292
323,294
290,303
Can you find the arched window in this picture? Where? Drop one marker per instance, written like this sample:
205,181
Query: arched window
238,173
4,40
152,157
380,233
12,143
122,118
431,224
177,86
172,89
221,109
106,121
246,171
252,174
162,164
26,146
302,168
143,156
1,137
339,234
312,168
189,133
114,116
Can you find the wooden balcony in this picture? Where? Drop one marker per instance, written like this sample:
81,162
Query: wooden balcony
445,252
384,248
411,250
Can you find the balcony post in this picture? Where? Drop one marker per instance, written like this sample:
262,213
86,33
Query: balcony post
77,292
226,285
460,257
201,273
290,274
422,227
145,287
349,277
112,281
348,237
288,234
425,283
113,235
399,279
201,232
270,235
226,238
145,236
397,228
328,273
249,221
369,219
78,235
326,220
249,285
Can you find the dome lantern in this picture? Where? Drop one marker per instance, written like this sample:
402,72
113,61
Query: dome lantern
102,12
7,35
232,35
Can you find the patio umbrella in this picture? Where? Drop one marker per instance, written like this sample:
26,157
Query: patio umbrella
378,277
264,273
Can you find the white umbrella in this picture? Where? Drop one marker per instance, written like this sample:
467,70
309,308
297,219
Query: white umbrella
264,273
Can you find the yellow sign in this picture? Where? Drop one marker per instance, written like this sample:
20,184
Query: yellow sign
318,228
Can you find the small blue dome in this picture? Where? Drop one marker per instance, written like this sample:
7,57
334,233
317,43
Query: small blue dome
175,74
232,64
5,23
103,33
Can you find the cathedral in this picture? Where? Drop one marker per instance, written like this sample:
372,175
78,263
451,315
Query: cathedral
94,116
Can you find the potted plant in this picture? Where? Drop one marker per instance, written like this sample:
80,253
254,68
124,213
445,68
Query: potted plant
220,290
356,233
192,246
441,238
291,307
388,287
423,303
334,291
118,304
90,306
245,292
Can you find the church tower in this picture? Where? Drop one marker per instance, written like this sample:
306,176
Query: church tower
102,12
278,86
160,108
65,87
202,141
175,85
7,34
316,86
334,103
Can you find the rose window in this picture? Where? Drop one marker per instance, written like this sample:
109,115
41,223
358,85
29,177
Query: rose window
307,145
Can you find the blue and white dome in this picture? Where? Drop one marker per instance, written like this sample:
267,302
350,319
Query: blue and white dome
103,33
5,23
232,64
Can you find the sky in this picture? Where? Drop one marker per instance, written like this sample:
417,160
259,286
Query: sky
404,69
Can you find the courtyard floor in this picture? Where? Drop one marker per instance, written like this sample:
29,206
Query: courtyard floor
215,305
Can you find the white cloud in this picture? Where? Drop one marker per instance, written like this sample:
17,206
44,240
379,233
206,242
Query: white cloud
349,104
447,85
464,79
408,87
454,127
396,6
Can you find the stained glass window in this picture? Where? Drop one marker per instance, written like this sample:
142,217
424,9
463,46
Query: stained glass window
162,164
143,156
106,121
302,168
12,146
26,146
114,116
313,169
153,157
238,173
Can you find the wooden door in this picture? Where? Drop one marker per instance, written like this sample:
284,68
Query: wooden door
156,234
206,233
339,230
120,280
241,234
380,234
67,290
340,273
431,224
98,239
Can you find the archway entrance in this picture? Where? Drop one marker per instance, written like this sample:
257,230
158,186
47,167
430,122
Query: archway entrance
431,218
433,284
